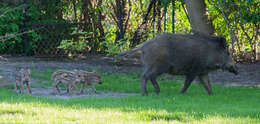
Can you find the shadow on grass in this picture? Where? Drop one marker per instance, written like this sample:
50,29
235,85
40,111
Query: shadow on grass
10,112
176,116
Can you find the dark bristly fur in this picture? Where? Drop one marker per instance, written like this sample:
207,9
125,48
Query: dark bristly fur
178,54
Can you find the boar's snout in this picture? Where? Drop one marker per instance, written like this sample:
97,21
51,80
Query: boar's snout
233,69
230,65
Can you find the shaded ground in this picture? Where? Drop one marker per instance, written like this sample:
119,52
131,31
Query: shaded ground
249,74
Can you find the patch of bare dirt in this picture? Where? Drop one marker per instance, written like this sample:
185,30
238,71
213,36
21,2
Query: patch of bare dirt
249,74
48,92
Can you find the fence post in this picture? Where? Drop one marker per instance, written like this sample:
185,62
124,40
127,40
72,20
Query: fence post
173,16
165,15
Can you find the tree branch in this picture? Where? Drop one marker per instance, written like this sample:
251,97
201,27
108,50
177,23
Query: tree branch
7,36
231,32
185,10
129,12
10,10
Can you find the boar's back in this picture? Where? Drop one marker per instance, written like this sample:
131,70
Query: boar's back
181,54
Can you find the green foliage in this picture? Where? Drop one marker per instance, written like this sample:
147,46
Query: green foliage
249,12
10,25
15,24
243,19
181,25
113,48
77,44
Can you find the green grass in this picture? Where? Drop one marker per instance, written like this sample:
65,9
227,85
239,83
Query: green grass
237,105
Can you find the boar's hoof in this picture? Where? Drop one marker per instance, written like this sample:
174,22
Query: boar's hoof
182,92
144,94
210,94
157,92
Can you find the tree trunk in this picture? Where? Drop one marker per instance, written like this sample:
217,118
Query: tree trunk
173,16
159,17
59,10
231,32
99,23
74,2
185,10
86,16
138,32
154,15
199,17
165,15
256,34
120,19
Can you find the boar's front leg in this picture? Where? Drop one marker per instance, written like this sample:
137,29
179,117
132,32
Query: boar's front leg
189,79
155,85
204,79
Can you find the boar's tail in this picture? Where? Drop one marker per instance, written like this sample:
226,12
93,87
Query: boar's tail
128,52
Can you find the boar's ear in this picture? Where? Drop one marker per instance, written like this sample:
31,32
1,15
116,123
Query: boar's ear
222,42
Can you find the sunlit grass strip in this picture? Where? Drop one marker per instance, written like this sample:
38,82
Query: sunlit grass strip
40,113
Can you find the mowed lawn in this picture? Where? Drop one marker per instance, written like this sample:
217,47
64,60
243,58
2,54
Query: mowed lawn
228,105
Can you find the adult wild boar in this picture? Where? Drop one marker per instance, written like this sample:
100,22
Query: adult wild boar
178,54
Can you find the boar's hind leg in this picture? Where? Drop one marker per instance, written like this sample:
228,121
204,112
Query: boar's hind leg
204,79
143,85
149,74
187,83
155,85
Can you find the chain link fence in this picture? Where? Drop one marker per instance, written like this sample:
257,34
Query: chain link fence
50,37
48,40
